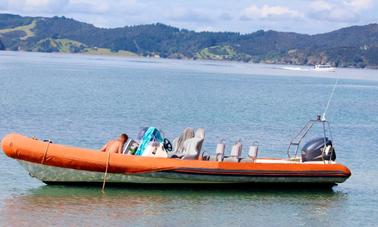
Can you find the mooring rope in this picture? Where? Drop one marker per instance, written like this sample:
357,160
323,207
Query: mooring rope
330,99
45,154
106,172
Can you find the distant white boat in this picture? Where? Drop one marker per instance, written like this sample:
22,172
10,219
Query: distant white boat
324,68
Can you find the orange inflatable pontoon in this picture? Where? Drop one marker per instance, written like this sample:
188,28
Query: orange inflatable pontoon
60,164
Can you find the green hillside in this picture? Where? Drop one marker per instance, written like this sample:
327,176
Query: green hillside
225,52
355,46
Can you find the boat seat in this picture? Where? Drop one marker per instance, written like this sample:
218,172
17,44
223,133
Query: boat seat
178,142
252,153
235,153
219,152
192,147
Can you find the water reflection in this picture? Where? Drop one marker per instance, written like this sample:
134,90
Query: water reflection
61,205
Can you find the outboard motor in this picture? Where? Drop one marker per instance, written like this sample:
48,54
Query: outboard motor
313,150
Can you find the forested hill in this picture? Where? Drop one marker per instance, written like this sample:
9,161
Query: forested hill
355,46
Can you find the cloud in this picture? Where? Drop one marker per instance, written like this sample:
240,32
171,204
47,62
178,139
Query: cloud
338,11
336,15
67,6
35,5
206,29
359,4
269,12
225,16
320,5
188,15
89,7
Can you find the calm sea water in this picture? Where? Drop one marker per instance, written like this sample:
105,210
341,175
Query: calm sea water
86,100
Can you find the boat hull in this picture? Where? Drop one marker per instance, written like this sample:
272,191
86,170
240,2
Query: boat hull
58,175
59,164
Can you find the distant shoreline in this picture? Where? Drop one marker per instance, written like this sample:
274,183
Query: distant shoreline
350,47
133,55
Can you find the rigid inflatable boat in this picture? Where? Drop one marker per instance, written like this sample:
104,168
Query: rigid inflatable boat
60,164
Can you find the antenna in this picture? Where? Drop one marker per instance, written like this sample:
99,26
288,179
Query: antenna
329,100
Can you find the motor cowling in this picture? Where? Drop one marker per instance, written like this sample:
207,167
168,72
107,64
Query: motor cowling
313,150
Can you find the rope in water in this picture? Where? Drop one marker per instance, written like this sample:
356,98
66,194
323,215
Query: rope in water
106,172
330,99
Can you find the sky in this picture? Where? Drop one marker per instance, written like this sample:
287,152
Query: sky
244,16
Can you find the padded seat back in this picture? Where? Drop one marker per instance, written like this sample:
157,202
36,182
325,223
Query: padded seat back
235,153
178,142
253,151
219,152
236,150
193,146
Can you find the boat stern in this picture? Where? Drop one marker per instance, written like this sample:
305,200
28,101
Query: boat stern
345,172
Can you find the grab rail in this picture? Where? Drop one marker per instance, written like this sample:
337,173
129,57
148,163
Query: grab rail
296,141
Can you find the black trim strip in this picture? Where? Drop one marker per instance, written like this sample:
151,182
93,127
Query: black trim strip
260,173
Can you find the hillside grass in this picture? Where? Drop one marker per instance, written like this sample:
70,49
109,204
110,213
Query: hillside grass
108,52
65,44
224,52
25,28
217,53
58,45
72,46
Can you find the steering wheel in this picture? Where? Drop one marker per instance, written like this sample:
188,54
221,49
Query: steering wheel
167,145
